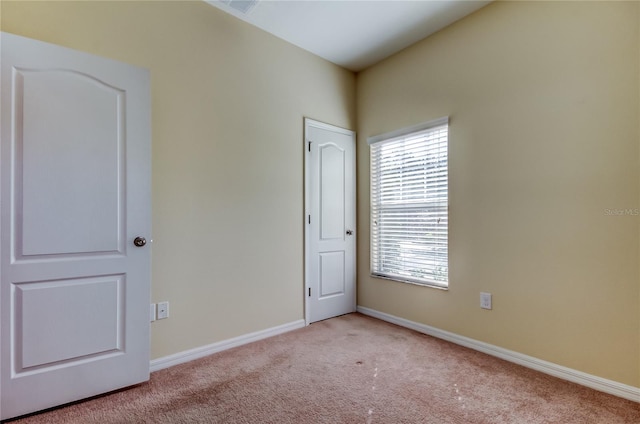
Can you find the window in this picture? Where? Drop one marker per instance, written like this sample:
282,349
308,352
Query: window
409,204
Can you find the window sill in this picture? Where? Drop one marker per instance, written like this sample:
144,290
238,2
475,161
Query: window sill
415,283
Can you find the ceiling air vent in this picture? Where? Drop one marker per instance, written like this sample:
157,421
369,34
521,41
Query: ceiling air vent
242,6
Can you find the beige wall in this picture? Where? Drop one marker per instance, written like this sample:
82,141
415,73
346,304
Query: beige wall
228,102
543,100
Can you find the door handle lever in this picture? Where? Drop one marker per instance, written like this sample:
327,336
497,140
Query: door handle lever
349,232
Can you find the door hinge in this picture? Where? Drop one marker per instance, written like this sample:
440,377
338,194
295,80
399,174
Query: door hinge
309,143
309,291
309,219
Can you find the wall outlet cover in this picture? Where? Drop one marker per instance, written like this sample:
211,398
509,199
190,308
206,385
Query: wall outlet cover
163,310
485,300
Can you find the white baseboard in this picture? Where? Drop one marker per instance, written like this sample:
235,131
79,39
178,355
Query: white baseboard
200,352
579,377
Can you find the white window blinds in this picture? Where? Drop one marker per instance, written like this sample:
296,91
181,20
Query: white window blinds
409,204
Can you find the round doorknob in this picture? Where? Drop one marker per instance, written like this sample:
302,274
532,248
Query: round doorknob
139,241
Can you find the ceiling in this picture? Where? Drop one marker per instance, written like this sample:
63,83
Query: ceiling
354,34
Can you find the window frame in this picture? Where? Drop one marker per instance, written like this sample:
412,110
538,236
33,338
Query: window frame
389,138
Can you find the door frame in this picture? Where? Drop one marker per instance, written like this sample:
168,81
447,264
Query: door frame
309,122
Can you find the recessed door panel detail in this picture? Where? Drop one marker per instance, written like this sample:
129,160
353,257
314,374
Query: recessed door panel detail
66,321
332,278
68,142
332,171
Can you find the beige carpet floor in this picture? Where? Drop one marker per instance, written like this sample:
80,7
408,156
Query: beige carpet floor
350,369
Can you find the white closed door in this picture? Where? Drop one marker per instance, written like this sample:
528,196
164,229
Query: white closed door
75,193
330,257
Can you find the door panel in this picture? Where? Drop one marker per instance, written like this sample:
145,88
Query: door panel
83,317
64,164
331,200
75,170
330,203
332,278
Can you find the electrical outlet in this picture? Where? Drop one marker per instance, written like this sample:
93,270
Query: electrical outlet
152,312
485,300
163,310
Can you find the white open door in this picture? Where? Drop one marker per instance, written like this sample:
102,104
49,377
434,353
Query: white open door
75,171
330,240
